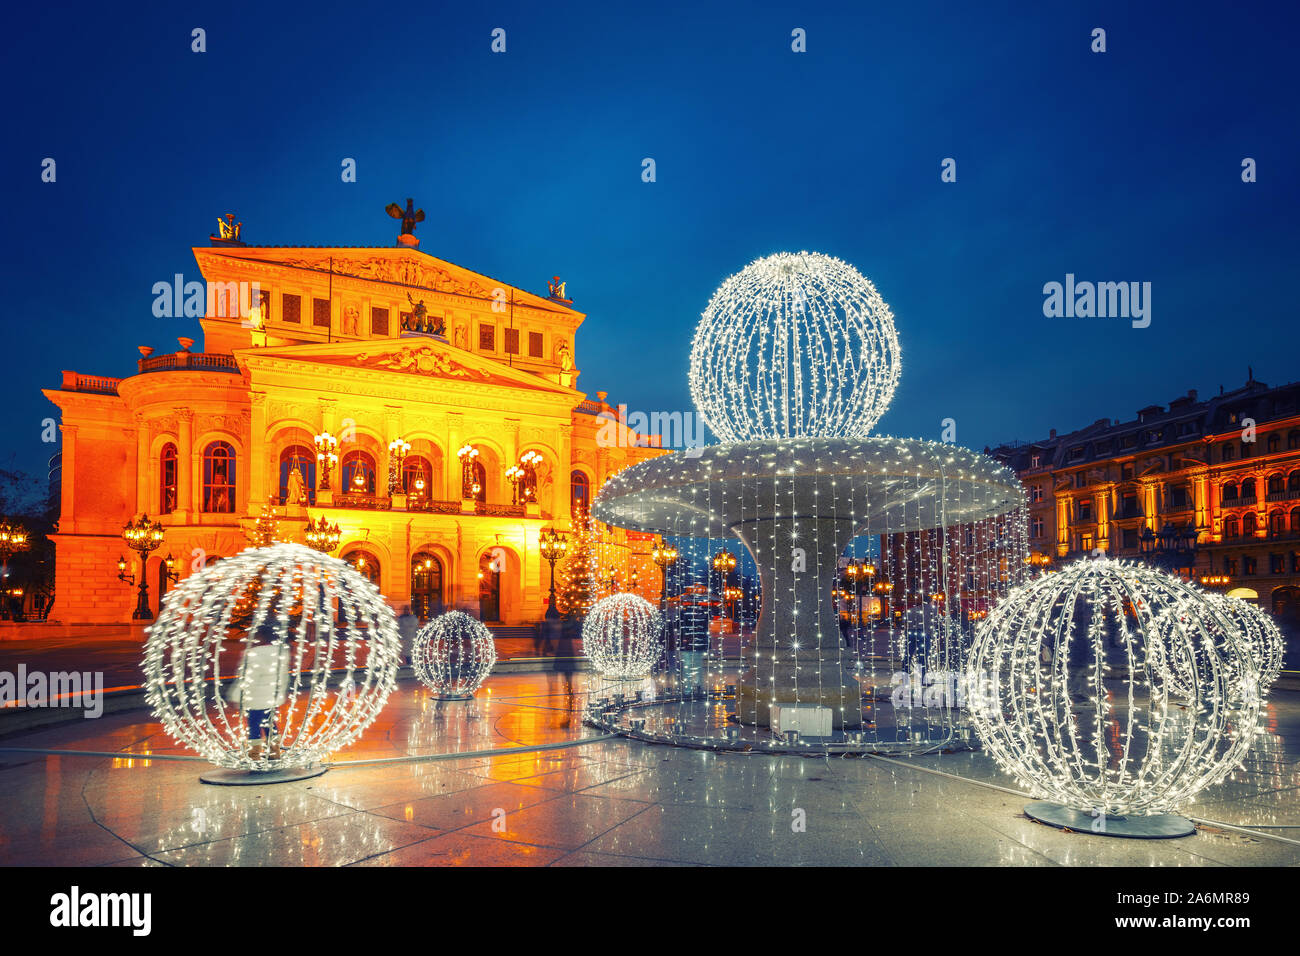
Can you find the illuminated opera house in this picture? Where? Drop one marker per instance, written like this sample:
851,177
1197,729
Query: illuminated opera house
428,412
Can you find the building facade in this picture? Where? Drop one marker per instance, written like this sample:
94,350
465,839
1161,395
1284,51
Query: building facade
430,412
1220,477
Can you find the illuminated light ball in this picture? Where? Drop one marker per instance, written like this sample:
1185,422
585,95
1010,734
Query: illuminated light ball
620,635
796,345
453,654
1082,691
1268,646
311,645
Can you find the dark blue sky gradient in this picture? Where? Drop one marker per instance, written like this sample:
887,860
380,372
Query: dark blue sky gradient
1121,166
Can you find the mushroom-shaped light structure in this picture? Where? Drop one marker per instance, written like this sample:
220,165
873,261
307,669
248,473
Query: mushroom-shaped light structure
272,659
453,654
794,360
1115,692
621,636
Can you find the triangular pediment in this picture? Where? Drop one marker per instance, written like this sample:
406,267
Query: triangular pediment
408,268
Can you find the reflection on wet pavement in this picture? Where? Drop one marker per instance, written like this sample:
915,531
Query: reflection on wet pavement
608,802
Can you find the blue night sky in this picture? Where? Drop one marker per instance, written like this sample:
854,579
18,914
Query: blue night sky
1122,166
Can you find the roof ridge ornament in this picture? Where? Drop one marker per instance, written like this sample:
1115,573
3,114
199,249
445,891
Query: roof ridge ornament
409,216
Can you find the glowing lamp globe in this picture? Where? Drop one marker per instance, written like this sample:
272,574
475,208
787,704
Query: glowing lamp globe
272,659
453,654
620,635
796,345
1094,703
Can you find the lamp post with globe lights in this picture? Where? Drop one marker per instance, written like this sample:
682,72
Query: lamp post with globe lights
553,546
327,448
144,536
398,449
13,540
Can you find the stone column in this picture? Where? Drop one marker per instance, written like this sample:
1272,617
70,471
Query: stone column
67,479
451,475
186,498
260,457
142,483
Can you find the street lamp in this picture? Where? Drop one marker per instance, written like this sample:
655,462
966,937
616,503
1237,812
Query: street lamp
13,539
724,562
144,536
327,447
322,535
467,455
398,449
553,546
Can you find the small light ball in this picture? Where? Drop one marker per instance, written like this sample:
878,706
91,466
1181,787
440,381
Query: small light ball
453,654
1111,687
311,645
621,636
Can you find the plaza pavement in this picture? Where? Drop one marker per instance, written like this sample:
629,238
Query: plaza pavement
604,802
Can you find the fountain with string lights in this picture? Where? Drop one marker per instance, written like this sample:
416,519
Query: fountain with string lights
794,361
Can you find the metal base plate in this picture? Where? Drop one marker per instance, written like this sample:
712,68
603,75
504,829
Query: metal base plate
1156,826
257,778
451,697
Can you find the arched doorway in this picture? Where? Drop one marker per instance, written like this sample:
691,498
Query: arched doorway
489,587
426,586
365,562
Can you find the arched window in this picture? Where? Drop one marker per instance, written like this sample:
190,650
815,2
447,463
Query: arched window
358,473
1276,484
1230,491
304,459
1277,523
167,479
1293,482
1231,529
1295,520
416,469
365,562
219,478
1249,524
579,493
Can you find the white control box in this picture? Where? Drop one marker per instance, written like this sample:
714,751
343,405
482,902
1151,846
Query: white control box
808,720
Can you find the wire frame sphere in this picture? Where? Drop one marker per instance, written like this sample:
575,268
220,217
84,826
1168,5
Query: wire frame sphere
1090,699
312,647
796,345
453,654
1262,637
621,636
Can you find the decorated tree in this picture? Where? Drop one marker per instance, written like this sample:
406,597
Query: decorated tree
576,579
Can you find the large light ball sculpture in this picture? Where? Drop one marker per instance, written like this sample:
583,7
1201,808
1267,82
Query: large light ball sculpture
453,654
621,636
1088,697
311,644
794,345
1267,645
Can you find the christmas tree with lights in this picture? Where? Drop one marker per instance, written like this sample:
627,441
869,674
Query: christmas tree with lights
575,580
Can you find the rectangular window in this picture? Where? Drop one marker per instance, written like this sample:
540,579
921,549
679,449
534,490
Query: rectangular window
291,308
1085,510
535,344
1036,493
378,321
320,313
487,337
1130,539
1085,542
1276,565
1038,527
1247,565
512,341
